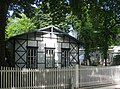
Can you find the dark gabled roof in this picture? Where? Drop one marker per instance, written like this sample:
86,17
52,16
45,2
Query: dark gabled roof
48,29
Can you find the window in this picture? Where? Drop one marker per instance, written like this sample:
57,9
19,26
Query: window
31,57
50,57
65,60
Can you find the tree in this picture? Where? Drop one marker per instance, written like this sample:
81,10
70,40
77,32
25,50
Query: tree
82,9
105,12
17,5
42,19
106,22
105,16
16,26
56,8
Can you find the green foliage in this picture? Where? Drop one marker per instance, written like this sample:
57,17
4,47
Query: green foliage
23,6
18,26
106,25
96,21
56,8
43,19
17,6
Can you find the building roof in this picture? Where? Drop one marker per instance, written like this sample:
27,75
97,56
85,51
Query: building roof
46,30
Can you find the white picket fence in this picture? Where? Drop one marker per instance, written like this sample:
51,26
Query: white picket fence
92,76
59,78
14,78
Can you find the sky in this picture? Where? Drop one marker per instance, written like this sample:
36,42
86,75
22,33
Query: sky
10,12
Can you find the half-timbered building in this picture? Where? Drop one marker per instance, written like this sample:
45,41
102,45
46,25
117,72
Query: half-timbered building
48,47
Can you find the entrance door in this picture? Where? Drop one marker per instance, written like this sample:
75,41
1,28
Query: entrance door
65,57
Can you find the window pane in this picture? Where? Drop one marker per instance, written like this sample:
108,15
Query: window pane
50,58
31,57
65,58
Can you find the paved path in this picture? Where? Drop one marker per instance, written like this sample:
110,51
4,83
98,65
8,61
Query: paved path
110,87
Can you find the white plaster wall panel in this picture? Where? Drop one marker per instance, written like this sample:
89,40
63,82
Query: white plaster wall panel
24,57
41,46
53,36
77,48
71,58
41,57
58,48
39,36
18,55
73,47
50,42
58,57
50,35
60,39
46,35
20,45
16,45
73,50
41,66
65,45
20,66
74,56
32,43
55,43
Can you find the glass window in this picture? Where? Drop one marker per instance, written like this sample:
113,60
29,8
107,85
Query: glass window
31,57
65,60
50,57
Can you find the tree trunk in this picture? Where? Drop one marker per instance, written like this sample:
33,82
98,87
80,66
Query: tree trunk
105,56
105,50
89,60
87,56
3,15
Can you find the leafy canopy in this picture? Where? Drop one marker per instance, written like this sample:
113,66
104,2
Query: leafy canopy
18,26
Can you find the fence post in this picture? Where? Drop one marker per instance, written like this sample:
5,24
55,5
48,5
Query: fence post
77,76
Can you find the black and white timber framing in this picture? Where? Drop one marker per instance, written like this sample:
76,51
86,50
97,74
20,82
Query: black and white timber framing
48,47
